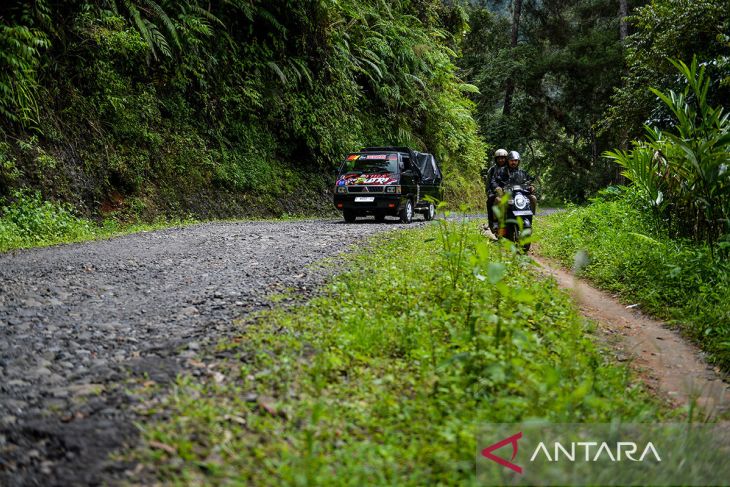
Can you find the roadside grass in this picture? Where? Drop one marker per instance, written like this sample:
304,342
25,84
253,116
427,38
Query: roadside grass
385,376
29,221
676,280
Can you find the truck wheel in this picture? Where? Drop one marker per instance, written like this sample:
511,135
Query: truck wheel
349,216
406,213
430,213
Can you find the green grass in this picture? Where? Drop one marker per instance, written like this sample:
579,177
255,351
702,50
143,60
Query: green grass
384,378
29,221
676,280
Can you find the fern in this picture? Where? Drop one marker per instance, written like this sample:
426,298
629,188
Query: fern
20,49
164,18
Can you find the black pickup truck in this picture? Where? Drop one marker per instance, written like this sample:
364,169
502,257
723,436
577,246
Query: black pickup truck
383,181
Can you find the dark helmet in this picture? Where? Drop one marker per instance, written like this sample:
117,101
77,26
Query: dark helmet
514,155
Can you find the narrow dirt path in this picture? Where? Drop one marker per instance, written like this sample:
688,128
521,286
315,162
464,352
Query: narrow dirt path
671,366
79,324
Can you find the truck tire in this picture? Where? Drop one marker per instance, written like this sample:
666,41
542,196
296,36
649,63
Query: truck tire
430,213
406,213
349,216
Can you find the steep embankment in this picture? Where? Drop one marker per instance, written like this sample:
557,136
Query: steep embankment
223,109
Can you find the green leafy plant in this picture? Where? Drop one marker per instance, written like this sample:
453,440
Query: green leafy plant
20,50
684,173
27,220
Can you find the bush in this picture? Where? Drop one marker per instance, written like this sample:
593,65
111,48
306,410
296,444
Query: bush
30,221
684,174
629,253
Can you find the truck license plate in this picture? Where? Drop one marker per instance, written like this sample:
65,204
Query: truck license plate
364,199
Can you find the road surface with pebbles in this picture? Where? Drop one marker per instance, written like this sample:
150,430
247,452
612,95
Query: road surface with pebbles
79,323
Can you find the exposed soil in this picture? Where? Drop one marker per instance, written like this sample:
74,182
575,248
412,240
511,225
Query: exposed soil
670,365
81,324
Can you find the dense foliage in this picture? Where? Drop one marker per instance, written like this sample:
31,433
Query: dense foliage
578,88
683,173
566,63
224,107
666,30
675,279
383,381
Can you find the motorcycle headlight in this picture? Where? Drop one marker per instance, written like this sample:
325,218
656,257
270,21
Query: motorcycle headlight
342,189
520,202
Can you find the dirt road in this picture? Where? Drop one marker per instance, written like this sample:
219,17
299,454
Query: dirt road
78,321
670,365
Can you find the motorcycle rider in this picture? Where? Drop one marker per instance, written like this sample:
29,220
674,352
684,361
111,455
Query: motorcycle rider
511,175
500,161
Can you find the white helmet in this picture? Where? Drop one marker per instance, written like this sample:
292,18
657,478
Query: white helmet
500,153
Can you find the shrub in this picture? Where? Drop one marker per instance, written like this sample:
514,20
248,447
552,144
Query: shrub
684,175
29,220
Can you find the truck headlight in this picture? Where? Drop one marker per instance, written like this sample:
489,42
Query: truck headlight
393,189
342,189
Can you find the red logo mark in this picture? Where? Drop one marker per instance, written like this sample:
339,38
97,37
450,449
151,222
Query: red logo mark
487,452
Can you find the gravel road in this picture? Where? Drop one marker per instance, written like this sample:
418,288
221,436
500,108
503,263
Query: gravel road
78,322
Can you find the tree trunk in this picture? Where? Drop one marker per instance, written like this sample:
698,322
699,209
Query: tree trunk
516,11
623,12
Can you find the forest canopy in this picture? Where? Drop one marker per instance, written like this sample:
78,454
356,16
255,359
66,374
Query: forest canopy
580,72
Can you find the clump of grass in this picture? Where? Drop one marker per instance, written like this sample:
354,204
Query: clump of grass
631,255
30,221
384,377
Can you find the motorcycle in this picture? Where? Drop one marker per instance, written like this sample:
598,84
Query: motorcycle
517,224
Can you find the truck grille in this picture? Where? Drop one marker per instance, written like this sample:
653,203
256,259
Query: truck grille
365,189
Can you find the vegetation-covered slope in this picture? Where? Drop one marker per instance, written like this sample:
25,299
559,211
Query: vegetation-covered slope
226,107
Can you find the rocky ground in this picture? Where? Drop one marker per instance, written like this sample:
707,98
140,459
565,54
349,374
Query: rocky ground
79,324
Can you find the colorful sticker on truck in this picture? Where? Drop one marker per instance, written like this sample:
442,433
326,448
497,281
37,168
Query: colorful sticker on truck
375,179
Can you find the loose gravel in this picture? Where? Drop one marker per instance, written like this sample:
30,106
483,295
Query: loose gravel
80,323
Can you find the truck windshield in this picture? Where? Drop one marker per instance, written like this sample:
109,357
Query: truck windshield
370,163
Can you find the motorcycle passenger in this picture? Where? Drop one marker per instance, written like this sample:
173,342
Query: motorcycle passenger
511,175
500,160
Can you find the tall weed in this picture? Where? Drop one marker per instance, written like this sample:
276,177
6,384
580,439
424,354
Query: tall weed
29,220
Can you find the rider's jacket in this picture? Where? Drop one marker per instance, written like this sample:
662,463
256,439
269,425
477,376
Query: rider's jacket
488,176
509,177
